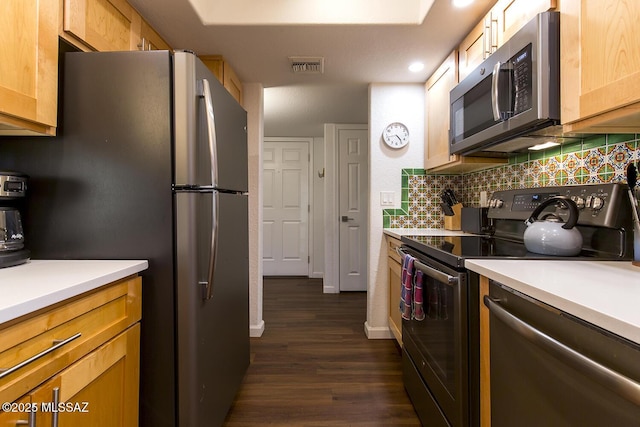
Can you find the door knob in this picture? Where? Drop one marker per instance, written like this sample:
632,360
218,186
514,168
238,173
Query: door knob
345,218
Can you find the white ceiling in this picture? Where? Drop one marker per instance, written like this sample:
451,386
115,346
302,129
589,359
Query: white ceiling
355,55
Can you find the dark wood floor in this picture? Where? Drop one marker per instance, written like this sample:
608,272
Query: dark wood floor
314,366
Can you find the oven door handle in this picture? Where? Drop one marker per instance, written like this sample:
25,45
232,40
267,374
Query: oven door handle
432,272
608,378
436,274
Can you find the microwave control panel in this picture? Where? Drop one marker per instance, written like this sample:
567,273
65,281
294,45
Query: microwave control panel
522,80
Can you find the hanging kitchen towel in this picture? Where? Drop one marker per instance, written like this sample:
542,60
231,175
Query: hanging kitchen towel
418,309
406,287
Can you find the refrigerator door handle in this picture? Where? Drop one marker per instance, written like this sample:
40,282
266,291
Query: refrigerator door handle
211,131
207,287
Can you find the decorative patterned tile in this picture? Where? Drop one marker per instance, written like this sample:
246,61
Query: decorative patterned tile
591,161
594,160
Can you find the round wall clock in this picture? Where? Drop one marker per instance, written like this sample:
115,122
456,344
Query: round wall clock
395,135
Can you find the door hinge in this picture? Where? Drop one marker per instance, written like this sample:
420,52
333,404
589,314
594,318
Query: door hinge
308,259
309,208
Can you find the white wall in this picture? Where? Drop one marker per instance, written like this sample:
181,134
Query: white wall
388,103
253,102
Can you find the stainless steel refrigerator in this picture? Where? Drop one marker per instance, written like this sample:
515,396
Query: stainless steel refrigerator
150,162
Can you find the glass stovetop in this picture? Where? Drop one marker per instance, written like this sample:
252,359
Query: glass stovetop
454,249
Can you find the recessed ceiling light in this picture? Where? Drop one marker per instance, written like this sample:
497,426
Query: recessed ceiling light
416,67
461,3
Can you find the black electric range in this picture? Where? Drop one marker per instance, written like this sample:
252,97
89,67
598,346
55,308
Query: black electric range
440,332
605,221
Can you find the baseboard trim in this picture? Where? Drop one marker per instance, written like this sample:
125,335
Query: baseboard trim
326,289
256,331
377,333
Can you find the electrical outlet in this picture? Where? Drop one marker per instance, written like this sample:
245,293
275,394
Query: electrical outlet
387,198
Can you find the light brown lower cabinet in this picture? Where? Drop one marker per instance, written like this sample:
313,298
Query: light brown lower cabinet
395,274
91,378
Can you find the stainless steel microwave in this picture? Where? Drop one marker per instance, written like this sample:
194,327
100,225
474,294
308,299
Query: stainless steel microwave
514,94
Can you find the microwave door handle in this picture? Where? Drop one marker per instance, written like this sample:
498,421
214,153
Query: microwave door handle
495,98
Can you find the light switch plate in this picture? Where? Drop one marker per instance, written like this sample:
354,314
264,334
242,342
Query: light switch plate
387,198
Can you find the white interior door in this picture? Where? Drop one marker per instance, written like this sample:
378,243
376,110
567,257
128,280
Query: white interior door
285,208
353,207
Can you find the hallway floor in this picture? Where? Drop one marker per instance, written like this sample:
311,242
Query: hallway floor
314,366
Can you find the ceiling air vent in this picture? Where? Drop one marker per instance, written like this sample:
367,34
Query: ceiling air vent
307,64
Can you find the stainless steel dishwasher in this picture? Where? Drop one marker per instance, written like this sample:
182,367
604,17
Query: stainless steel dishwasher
549,368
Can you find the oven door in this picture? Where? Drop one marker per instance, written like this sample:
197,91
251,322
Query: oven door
438,345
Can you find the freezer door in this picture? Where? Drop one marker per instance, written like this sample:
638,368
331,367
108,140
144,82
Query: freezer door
212,334
210,129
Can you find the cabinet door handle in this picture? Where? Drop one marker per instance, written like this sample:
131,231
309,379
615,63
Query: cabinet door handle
486,41
31,422
56,345
494,32
56,400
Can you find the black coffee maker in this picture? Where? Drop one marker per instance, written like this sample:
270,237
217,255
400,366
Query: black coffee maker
13,188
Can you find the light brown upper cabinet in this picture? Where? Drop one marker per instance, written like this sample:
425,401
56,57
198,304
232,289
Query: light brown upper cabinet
29,67
102,25
150,39
471,51
225,74
508,16
504,19
600,66
108,25
436,150
437,119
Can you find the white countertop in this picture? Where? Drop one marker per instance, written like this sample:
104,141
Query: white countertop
605,293
40,283
399,232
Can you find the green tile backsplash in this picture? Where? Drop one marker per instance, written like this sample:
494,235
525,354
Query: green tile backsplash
598,159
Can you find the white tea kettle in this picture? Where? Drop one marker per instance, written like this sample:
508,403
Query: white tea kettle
550,235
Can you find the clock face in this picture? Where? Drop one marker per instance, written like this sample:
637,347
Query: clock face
396,135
